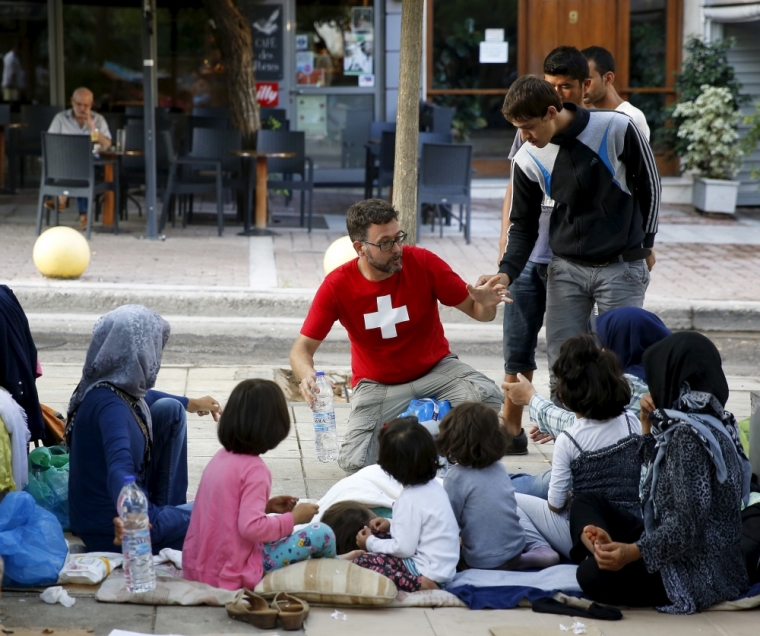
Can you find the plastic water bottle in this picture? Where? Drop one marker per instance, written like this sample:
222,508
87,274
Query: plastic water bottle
325,432
136,547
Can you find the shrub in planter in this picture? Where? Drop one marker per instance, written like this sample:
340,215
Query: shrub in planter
709,130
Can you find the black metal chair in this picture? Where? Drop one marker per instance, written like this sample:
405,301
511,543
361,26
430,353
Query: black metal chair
353,136
445,177
35,120
372,155
432,138
213,113
387,160
279,114
132,167
68,169
299,165
189,174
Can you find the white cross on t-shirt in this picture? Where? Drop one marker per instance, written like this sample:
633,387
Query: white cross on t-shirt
386,317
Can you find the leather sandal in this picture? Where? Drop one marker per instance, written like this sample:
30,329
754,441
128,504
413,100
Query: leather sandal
292,610
252,608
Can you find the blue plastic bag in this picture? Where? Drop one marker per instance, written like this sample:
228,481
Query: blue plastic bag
429,412
31,542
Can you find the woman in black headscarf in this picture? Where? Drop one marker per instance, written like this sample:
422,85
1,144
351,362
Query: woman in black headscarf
18,361
686,554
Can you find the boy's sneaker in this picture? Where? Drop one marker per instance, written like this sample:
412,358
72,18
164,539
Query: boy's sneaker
517,444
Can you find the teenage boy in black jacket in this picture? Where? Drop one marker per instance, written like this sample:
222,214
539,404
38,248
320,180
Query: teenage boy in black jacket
602,176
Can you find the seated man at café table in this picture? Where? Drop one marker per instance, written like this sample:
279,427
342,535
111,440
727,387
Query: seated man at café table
81,120
387,299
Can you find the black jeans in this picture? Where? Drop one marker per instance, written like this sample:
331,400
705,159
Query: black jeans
631,585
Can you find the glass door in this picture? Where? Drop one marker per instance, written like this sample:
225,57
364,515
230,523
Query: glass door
335,85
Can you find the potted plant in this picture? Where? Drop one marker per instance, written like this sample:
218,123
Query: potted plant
709,130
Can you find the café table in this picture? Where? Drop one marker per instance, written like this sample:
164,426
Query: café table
3,144
111,159
262,176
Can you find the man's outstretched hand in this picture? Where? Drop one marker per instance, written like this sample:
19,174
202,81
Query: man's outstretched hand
489,291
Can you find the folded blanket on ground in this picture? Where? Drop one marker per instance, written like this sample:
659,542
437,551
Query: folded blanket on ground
480,589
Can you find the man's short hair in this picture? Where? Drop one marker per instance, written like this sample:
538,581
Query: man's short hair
530,97
600,56
362,214
82,90
567,60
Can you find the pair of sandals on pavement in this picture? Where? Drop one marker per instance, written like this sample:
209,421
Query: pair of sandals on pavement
254,609
50,205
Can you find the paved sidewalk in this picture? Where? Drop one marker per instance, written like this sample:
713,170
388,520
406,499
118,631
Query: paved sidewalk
699,258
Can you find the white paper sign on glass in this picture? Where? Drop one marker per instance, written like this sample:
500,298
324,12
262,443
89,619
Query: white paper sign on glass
494,35
493,52
366,81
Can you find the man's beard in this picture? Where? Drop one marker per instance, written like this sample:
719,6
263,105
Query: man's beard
391,267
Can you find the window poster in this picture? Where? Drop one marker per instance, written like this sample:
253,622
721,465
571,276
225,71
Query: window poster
358,43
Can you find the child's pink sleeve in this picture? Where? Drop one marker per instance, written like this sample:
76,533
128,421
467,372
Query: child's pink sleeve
253,522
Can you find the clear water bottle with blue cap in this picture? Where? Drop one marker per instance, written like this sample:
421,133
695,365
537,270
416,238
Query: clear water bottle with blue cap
136,546
325,431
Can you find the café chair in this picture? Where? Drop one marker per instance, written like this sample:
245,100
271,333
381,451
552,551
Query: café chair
35,120
282,172
445,178
68,169
208,167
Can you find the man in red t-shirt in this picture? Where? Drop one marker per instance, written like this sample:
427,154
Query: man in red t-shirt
387,300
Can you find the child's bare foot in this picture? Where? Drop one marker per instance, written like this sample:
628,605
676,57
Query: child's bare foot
350,556
428,584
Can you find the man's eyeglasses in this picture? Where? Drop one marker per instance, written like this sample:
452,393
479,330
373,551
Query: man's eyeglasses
387,246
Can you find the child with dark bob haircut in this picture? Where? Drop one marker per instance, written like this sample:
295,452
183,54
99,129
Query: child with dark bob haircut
496,534
589,380
347,519
422,549
231,542
600,452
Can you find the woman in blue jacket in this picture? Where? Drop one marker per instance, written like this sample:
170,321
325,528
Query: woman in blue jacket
119,426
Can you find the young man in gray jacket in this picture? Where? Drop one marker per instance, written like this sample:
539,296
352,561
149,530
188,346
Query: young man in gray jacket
601,174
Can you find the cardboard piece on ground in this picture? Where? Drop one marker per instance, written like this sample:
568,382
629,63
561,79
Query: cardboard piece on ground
510,630
51,631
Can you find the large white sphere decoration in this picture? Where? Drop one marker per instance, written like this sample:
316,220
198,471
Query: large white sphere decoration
339,252
61,252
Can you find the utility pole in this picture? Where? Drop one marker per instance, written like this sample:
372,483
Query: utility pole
408,117
150,88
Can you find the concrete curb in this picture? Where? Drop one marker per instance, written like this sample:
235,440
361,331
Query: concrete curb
90,298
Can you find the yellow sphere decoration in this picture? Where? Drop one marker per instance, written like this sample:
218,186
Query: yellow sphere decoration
339,252
61,252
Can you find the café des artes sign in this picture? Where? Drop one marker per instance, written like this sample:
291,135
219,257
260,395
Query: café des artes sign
267,33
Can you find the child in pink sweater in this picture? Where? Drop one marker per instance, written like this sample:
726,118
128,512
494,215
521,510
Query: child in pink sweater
231,542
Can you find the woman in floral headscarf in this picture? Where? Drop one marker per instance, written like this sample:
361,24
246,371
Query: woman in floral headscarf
118,426
686,555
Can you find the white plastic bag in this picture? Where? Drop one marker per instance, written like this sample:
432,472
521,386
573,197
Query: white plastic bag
57,594
89,568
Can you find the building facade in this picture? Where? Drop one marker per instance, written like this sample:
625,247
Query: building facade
333,65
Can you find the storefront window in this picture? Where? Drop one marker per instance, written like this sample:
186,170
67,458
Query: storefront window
103,49
335,43
474,55
24,48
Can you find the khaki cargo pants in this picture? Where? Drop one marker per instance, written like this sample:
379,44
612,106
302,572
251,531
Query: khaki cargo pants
374,403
